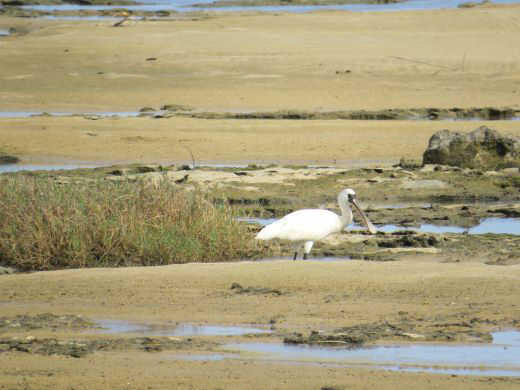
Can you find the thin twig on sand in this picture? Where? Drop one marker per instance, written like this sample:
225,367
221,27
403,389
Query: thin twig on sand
191,153
120,23
422,62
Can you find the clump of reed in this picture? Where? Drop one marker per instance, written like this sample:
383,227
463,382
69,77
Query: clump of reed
46,225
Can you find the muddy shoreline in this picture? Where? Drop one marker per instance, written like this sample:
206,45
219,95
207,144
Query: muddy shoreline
253,78
436,196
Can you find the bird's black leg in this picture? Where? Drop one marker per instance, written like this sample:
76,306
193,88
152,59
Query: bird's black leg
295,255
305,256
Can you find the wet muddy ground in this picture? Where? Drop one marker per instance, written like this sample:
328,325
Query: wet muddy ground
181,314
306,121
429,219
447,213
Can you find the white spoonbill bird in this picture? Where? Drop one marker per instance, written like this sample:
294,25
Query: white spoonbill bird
303,227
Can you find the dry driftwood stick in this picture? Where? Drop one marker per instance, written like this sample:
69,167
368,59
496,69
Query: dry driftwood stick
120,23
192,158
421,62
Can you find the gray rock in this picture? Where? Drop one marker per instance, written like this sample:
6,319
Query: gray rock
482,148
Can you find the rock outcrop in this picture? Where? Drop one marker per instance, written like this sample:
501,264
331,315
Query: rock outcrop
483,148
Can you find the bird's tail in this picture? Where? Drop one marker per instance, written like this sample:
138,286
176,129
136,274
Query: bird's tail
267,232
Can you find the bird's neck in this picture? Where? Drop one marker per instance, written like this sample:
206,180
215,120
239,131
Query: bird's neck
346,212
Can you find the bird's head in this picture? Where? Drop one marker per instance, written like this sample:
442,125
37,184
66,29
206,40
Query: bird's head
350,194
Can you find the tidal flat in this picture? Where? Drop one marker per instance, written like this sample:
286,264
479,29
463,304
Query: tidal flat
405,287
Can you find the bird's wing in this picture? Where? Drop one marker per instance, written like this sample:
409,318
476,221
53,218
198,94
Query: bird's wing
302,225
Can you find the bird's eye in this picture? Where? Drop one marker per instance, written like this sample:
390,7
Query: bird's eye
350,197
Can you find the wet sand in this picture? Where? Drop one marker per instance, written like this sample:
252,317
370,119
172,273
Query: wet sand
150,140
316,296
267,62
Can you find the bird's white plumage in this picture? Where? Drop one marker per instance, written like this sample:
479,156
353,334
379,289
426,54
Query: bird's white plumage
303,225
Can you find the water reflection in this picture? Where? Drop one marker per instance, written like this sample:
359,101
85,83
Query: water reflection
105,114
11,168
121,326
501,357
187,6
486,226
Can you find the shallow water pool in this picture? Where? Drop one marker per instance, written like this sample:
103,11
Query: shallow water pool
44,167
186,6
121,327
486,226
500,358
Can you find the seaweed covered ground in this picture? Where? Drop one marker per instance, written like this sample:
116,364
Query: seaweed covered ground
392,195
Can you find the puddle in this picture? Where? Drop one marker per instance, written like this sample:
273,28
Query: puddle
500,358
486,226
69,166
258,221
120,326
10,168
513,118
206,358
82,18
4,32
28,114
187,6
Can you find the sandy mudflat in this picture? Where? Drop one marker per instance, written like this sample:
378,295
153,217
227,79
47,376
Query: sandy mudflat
316,296
224,141
270,62
251,62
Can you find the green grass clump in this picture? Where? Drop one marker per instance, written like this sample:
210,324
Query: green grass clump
45,225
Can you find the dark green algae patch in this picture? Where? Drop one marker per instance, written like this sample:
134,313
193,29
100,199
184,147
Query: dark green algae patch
8,159
485,113
81,348
361,334
436,195
23,324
